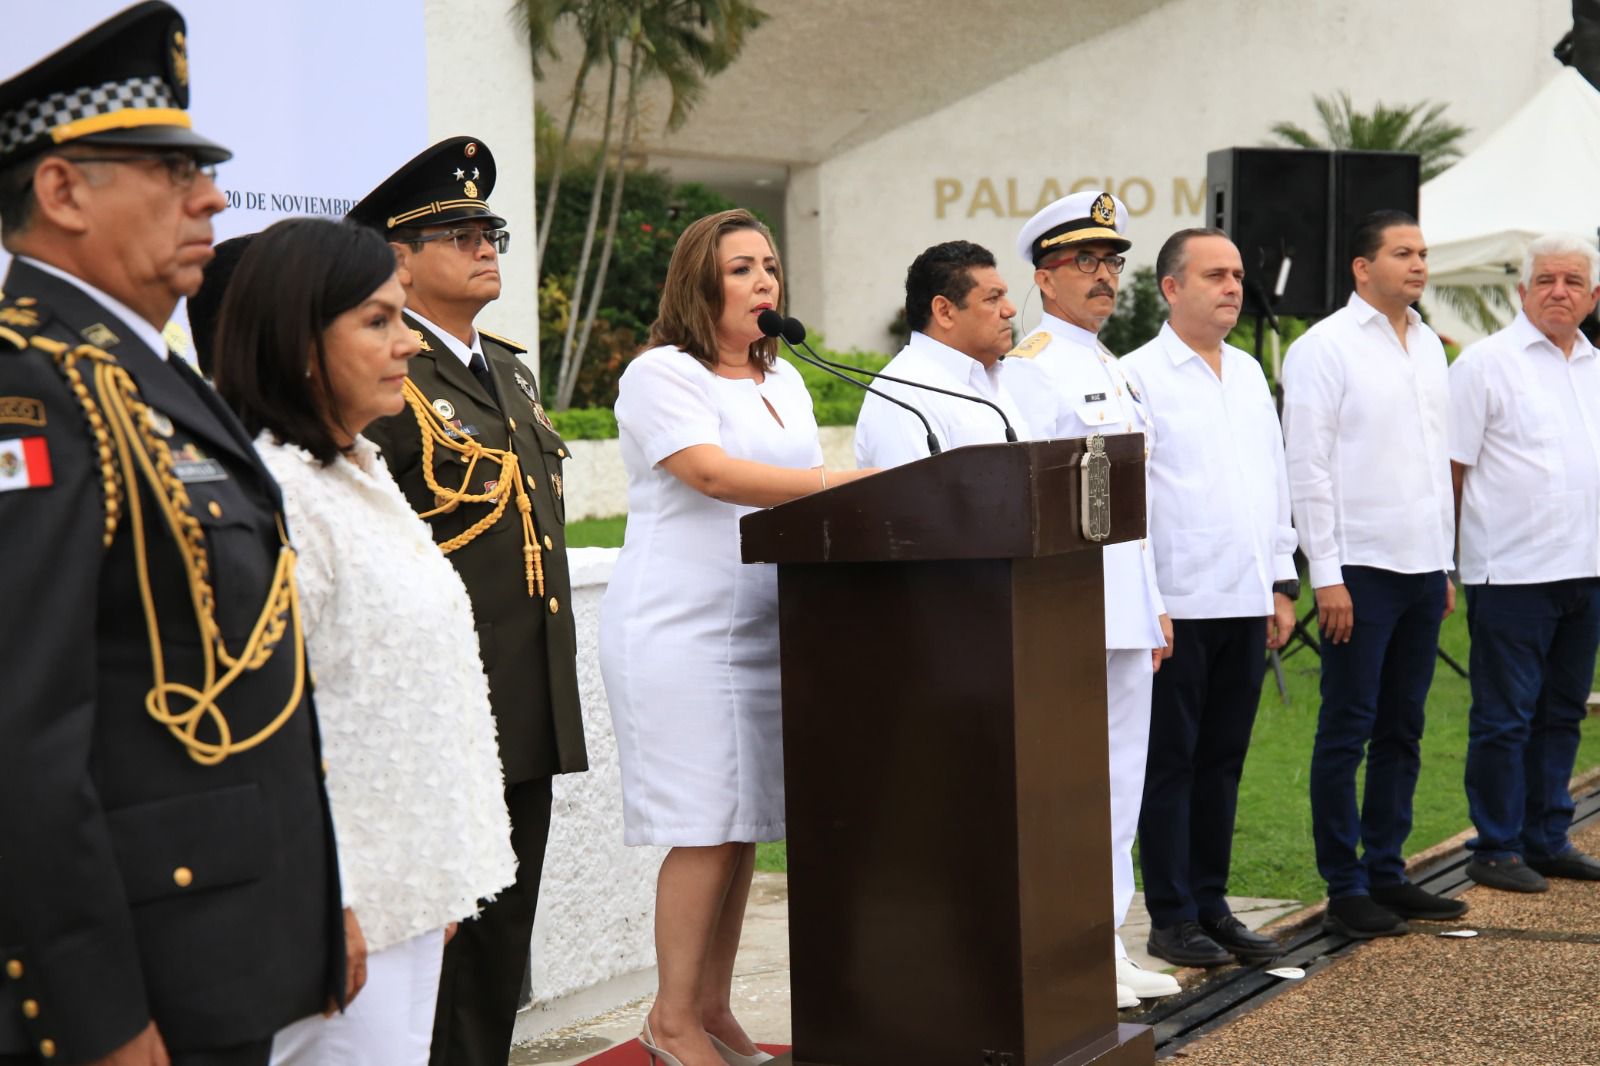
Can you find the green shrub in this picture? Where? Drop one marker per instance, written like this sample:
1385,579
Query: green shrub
1140,312
837,402
585,423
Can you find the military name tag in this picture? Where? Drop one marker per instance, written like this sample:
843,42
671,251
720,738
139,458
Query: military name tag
198,471
1096,489
193,466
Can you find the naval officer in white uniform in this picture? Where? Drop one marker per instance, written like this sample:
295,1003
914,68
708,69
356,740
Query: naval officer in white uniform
1075,246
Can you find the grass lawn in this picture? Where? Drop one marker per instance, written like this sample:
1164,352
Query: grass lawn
596,532
1272,853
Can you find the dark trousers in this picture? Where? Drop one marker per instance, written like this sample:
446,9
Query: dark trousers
481,979
1533,654
1202,708
1374,689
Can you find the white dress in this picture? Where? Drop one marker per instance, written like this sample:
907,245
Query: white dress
688,633
414,778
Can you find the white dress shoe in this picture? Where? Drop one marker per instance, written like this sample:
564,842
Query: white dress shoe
1125,997
1144,983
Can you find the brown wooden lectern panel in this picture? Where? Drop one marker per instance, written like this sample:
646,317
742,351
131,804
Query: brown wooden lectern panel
943,654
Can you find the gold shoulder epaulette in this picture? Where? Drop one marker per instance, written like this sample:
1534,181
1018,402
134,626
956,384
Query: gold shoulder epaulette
513,345
13,338
1031,346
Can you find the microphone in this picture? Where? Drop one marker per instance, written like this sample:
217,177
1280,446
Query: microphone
772,324
795,333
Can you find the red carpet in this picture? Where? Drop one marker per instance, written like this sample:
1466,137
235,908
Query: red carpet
633,1054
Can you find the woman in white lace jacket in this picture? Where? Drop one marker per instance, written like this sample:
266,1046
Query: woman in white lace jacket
311,348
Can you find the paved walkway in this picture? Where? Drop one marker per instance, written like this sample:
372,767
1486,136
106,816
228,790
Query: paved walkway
1522,991
761,980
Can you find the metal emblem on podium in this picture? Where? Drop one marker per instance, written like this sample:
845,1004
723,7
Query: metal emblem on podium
1096,485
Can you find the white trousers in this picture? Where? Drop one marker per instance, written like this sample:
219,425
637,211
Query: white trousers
1128,684
390,1022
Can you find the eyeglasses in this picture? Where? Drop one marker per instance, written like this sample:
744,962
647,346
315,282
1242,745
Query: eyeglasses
1089,263
182,168
467,240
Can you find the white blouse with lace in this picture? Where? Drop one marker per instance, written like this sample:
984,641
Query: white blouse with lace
414,773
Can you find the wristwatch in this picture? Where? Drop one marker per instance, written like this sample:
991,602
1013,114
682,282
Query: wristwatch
1290,588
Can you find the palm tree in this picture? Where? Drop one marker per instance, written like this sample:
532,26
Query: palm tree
1419,129
538,20
682,42
1422,130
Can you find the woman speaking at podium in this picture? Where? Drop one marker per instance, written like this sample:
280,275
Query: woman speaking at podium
712,426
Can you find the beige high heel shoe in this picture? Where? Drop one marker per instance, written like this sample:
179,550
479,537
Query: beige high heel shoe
733,1058
665,1058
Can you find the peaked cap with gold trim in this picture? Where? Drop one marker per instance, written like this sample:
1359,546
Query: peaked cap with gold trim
124,83
1074,219
449,182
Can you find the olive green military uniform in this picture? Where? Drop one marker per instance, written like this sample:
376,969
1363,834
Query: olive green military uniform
525,635
529,645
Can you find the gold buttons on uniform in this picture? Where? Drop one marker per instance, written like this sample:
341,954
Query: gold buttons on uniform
549,545
562,452
215,508
14,969
183,877
512,422
533,486
30,1009
47,1048
555,605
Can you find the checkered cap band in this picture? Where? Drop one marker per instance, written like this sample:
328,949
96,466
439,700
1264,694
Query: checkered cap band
37,118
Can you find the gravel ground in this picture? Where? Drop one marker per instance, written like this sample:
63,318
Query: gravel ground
1522,991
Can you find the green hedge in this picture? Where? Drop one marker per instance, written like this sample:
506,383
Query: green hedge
585,423
837,403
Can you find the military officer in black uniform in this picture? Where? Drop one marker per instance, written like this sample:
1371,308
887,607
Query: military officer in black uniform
477,457
169,886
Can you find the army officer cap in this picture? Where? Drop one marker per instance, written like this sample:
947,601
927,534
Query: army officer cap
125,83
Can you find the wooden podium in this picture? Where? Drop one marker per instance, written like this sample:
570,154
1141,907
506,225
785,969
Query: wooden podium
944,729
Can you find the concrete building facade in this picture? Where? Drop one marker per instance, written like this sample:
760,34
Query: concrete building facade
873,131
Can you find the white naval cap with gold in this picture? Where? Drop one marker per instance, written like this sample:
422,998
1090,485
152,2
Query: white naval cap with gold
1074,219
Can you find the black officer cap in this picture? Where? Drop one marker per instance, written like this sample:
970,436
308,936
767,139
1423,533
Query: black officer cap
449,182
125,83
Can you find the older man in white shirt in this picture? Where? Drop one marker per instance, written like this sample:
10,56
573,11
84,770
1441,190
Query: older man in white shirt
1525,455
1366,407
1219,519
1075,246
960,318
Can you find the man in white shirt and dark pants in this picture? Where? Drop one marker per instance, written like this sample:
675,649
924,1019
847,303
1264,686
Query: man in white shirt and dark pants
1224,551
960,318
1075,246
1525,456
1366,406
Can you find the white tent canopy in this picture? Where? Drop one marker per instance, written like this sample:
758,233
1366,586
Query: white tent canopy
1538,173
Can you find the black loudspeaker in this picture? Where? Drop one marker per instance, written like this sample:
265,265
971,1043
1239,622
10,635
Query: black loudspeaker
1273,203
1364,182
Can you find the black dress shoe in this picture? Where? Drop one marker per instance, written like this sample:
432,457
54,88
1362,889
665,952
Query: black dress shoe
1361,918
1186,944
1409,901
1510,874
1247,946
1573,864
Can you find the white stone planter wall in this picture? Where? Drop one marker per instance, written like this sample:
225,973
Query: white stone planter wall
596,486
594,932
